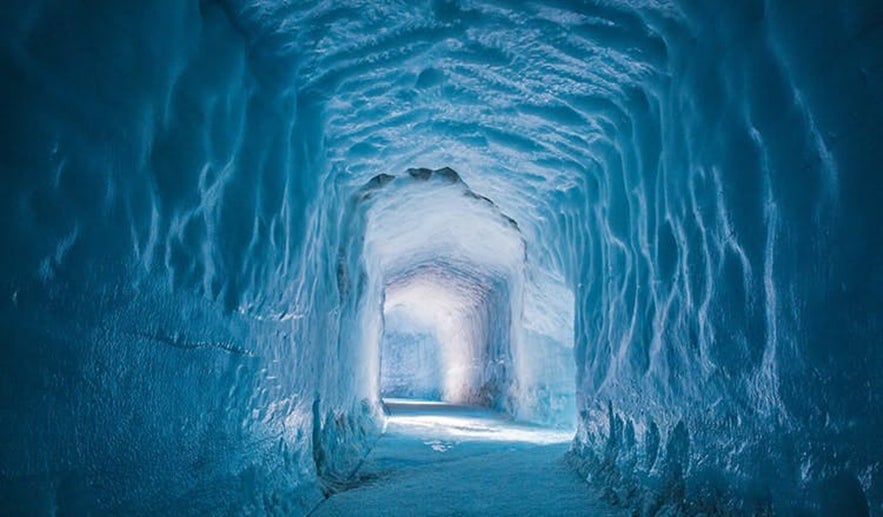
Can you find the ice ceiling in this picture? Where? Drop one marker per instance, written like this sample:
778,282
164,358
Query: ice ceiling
658,220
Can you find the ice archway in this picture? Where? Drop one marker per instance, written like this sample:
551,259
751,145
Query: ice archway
201,202
435,249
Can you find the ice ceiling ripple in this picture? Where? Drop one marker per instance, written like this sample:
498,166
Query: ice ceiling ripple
697,178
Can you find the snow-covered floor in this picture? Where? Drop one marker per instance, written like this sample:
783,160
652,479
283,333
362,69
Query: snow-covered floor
439,459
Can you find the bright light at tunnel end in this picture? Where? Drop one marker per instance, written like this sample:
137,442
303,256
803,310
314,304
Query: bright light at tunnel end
466,423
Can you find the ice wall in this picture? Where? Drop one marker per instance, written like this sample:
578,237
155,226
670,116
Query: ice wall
446,260
164,304
728,320
194,310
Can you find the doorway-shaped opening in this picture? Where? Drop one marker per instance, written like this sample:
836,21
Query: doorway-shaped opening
447,337
411,352
450,304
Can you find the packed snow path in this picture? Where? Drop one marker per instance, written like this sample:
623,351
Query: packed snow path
440,459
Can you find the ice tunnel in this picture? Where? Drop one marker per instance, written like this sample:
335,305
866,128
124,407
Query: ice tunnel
231,227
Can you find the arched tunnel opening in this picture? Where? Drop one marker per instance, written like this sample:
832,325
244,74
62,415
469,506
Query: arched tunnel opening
556,257
443,275
436,337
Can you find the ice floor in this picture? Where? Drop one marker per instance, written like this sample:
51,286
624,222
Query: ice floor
440,459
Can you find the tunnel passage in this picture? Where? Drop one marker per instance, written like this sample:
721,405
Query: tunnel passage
193,308
445,275
446,336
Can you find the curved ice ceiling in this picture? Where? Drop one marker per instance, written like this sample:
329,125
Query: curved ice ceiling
197,276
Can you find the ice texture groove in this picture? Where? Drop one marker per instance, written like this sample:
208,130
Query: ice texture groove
656,222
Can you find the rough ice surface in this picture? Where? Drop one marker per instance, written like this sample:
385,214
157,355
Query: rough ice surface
210,208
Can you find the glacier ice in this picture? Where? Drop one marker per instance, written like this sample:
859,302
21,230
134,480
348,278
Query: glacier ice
654,221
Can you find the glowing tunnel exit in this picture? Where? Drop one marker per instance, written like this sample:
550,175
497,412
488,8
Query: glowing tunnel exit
411,345
463,308
445,338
